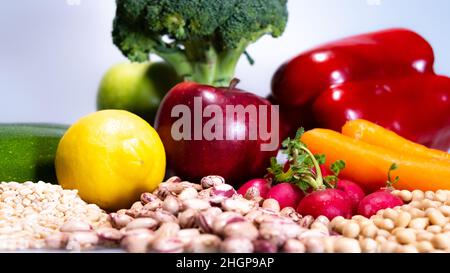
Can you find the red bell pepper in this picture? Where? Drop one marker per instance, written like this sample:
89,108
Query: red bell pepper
386,77
416,107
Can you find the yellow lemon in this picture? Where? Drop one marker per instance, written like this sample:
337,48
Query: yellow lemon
110,157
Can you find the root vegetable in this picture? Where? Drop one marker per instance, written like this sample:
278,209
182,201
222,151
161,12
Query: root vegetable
329,203
353,190
287,194
376,201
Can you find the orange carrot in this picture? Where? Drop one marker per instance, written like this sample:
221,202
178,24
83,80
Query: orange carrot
374,134
368,164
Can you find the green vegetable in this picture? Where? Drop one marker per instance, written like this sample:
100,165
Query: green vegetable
202,39
27,151
136,87
303,167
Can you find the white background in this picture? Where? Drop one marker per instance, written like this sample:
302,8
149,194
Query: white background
53,53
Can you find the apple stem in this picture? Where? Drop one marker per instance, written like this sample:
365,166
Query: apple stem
233,83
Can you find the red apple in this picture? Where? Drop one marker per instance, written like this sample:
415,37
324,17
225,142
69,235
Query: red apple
188,115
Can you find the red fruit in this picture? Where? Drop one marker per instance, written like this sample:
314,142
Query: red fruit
329,202
287,194
227,149
260,184
376,201
354,192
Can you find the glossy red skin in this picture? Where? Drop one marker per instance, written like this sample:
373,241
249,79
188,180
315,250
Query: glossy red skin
415,107
329,202
388,53
353,190
287,194
260,183
235,160
376,201
360,66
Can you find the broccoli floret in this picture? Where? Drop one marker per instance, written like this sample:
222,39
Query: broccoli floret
202,39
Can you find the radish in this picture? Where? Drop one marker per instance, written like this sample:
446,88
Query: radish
376,201
306,171
259,185
353,190
329,202
287,194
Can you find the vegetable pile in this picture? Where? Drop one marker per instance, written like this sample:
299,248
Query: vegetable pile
304,182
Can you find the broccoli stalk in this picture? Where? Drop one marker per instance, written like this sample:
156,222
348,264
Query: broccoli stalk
207,66
202,39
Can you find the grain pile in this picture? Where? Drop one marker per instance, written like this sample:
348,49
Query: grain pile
30,213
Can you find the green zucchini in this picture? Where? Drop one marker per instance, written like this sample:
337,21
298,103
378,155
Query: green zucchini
27,151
